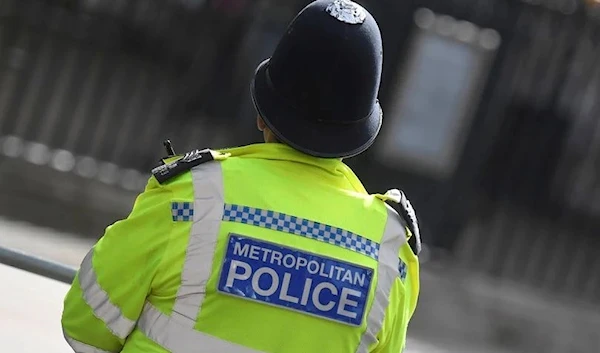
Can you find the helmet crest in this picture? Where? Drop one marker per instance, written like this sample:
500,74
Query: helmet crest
347,11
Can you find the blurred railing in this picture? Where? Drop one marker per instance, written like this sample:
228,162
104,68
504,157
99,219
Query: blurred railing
37,265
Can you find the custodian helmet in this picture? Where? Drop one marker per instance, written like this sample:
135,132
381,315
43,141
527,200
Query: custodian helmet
318,92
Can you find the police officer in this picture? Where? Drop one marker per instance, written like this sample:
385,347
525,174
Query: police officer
274,247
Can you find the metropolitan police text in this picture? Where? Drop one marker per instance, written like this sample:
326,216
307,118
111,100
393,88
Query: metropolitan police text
347,300
298,262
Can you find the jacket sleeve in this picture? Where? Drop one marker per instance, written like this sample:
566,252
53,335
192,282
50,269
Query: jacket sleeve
109,291
402,305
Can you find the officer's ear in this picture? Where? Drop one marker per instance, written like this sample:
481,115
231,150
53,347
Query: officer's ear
260,124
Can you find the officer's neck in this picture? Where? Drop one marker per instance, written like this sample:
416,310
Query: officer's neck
270,137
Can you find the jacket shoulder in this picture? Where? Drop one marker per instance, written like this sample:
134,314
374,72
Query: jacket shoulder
399,202
177,165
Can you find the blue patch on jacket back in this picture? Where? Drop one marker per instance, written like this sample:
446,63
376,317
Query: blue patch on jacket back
295,280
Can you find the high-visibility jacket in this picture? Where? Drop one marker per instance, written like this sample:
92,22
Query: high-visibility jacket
261,249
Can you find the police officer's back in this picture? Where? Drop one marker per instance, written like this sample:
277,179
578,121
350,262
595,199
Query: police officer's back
273,247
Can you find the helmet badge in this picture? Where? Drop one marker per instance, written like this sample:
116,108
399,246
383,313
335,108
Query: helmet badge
347,11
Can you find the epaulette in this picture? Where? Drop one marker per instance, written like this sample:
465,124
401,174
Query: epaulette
398,201
167,171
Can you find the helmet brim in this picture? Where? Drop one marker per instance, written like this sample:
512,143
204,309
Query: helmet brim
319,139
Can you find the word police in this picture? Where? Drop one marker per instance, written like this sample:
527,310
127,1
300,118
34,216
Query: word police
295,280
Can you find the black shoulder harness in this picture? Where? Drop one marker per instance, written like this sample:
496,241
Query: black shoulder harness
406,211
167,171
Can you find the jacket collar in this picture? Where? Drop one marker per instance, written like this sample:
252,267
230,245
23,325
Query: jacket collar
282,152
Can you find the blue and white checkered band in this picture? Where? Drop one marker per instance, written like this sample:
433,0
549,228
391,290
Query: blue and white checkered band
302,227
402,270
182,211
347,11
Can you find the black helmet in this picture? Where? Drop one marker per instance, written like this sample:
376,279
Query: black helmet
318,92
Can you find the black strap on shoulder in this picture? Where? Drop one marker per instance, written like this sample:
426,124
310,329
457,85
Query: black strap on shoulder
407,212
167,171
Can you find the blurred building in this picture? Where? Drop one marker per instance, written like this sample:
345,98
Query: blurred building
491,126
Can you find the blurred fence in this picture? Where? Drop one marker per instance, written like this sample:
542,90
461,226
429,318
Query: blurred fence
87,85
539,190
88,89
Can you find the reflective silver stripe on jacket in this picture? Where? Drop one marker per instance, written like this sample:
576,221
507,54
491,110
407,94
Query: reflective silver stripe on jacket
208,211
177,337
176,333
99,301
80,347
394,237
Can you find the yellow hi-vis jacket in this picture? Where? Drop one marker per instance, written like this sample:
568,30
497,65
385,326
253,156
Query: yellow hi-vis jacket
260,249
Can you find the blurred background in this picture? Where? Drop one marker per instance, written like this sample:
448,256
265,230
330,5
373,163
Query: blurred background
492,127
